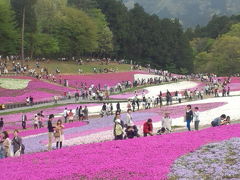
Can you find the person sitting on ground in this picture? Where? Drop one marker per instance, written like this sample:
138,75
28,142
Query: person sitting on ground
218,121
148,128
167,122
161,131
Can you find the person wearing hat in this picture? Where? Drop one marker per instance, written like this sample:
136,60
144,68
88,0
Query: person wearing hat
167,122
118,130
148,128
50,131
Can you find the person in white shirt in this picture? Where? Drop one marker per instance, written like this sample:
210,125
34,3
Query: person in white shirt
167,122
65,114
129,121
196,118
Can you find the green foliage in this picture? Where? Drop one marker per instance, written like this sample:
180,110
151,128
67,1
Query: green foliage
47,11
45,45
104,34
222,56
75,32
8,33
83,4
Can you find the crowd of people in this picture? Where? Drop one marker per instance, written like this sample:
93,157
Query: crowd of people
125,128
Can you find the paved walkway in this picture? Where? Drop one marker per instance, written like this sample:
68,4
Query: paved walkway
63,102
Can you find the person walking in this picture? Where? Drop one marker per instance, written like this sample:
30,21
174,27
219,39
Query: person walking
36,122
65,115
24,121
85,113
50,131
6,144
189,116
70,116
58,134
80,113
148,128
17,144
196,118
1,124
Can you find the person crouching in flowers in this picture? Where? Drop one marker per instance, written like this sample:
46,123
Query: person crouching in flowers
148,128
58,134
118,130
167,122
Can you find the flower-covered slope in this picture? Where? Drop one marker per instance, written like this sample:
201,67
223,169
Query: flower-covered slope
109,79
39,90
141,158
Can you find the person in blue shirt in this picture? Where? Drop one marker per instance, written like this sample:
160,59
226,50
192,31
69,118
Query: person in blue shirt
218,121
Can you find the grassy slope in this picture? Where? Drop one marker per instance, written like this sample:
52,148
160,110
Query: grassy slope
72,67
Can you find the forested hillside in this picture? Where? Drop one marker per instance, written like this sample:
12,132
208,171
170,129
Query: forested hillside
190,12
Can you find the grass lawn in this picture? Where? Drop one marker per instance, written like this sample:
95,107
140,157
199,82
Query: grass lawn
71,67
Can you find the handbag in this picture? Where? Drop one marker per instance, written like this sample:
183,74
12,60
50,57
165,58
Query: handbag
57,134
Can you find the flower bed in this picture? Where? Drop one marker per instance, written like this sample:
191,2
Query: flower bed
38,89
141,158
212,161
15,119
109,79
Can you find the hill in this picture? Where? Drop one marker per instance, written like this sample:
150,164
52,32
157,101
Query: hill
190,12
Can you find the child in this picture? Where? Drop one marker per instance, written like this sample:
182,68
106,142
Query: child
196,118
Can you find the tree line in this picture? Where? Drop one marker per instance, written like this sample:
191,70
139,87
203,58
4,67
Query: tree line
106,28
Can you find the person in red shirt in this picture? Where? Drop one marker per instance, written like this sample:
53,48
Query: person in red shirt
148,128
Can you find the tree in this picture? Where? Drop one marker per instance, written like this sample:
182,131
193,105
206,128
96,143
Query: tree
8,34
26,20
117,16
44,45
75,32
83,4
47,12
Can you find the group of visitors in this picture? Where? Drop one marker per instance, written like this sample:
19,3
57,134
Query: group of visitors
79,114
192,116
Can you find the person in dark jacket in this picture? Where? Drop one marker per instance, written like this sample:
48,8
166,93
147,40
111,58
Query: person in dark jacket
50,131
24,121
17,144
148,128
1,124
189,116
